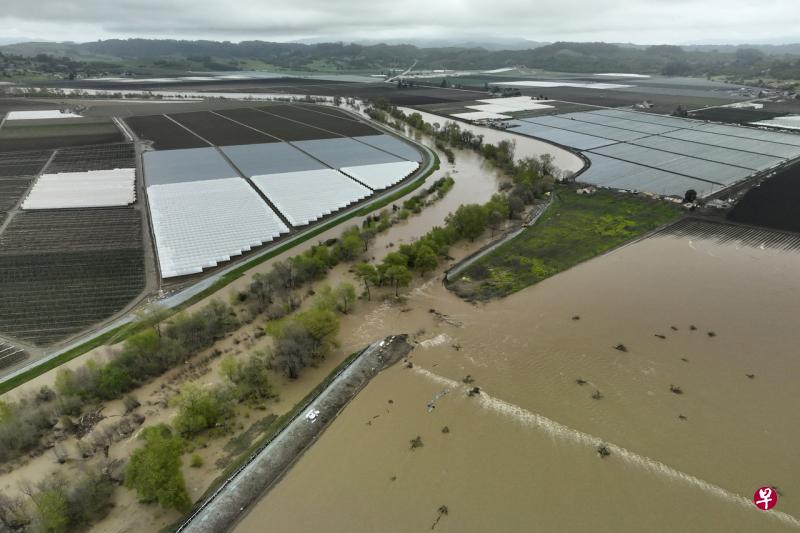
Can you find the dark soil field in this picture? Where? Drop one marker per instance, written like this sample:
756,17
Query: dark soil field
734,115
343,126
774,204
102,157
27,135
281,128
63,270
14,164
662,103
165,134
218,130
12,189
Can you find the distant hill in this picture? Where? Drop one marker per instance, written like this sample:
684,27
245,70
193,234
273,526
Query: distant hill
149,55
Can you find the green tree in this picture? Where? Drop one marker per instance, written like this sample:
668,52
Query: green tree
154,471
469,221
323,327
52,509
398,276
495,220
425,259
345,296
368,275
350,245
250,378
200,409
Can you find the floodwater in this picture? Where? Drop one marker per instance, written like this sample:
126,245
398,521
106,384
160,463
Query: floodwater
522,455
525,146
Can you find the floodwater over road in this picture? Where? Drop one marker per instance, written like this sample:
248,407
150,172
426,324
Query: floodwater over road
522,454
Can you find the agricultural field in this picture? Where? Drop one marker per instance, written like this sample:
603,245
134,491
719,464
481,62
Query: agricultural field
50,134
340,125
64,270
550,107
17,171
660,154
66,264
11,355
773,203
272,169
573,229
279,128
734,115
218,130
164,133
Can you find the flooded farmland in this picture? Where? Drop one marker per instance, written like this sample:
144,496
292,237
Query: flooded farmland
696,414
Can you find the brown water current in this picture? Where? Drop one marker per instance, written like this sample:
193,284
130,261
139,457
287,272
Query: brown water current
525,146
522,455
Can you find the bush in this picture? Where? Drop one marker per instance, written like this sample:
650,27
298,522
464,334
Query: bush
154,471
249,378
200,409
197,461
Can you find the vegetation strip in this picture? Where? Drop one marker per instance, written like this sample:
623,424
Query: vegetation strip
269,463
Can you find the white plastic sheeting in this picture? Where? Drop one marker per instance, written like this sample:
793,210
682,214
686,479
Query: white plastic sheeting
382,175
306,196
39,115
480,115
199,224
551,84
94,188
393,145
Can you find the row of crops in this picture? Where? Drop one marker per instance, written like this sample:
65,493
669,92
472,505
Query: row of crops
63,270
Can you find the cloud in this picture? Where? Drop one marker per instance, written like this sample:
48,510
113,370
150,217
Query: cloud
641,21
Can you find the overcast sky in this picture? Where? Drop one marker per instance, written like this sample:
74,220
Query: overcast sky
638,21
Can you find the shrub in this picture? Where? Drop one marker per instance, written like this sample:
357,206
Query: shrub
154,471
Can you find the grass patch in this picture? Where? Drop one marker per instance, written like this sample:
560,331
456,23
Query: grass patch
573,229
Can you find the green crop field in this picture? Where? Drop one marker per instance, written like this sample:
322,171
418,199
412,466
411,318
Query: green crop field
573,229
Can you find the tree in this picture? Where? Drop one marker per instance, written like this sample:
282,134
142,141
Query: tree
368,237
495,220
345,294
249,378
515,207
398,276
154,471
469,221
323,327
292,350
51,505
350,245
425,259
200,409
368,275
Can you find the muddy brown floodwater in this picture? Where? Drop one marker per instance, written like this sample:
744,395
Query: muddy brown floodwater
522,455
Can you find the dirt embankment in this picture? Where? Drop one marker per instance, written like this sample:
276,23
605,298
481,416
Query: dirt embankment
267,465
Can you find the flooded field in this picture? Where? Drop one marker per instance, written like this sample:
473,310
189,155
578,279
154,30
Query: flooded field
522,454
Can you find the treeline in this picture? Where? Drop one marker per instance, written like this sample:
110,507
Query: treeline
561,56
59,504
530,182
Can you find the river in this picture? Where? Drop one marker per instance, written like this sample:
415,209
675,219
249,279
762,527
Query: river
522,454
